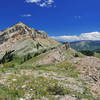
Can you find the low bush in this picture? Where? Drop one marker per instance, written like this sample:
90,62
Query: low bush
98,68
36,54
58,90
76,55
27,57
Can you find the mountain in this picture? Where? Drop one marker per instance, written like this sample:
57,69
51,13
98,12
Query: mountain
23,39
86,45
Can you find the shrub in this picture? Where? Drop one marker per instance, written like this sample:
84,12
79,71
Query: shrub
28,57
45,50
36,54
76,55
98,68
38,45
58,90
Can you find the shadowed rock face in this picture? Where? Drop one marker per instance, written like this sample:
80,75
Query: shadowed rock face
21,36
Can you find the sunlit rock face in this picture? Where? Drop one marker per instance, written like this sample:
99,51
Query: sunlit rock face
20,29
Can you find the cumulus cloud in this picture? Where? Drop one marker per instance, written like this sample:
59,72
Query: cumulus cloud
41,3
83,36
26,15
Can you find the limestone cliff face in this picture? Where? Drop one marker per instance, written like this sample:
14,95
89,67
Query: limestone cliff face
22,39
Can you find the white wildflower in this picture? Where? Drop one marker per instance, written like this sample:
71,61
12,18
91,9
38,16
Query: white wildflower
24,86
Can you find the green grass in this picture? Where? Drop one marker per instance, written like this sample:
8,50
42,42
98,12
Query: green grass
69,54
68,69
38,86
58,90
97,55
98,68
34,86
41,86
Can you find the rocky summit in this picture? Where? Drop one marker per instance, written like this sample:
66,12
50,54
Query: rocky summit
24,39
35,67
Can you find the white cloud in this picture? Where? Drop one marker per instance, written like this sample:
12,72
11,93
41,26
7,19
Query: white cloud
83,36
32,1
26,15
41,3
50,1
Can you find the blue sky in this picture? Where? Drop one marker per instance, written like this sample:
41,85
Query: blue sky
56,17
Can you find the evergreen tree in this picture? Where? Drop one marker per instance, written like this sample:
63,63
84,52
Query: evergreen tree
9,56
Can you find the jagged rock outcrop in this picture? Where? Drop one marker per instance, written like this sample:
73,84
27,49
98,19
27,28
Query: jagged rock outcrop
23,39
67,45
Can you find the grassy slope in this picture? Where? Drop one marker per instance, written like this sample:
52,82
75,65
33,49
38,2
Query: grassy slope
27,80
97,55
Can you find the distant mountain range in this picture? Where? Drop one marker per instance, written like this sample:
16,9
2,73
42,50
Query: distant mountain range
86,45
91,45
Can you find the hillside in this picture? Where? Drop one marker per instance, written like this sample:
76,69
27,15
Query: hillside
36,67
49,76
